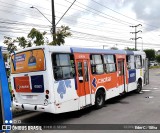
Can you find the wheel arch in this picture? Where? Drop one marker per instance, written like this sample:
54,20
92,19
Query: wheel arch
140,80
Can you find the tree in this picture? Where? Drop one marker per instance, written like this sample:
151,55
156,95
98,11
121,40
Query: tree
10,44
5,56
150,53
22,42
61,34
158,58
130,49
114,48
37,38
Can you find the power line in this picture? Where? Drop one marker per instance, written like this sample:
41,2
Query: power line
66,11
95,12
31,4
122,14
15,13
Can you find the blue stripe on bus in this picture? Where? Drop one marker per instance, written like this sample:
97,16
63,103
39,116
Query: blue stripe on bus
128,52
91,50
37,83
132,75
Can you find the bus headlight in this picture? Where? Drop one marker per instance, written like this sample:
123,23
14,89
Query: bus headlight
45,102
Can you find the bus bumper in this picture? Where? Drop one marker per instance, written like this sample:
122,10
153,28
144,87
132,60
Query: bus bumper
41,108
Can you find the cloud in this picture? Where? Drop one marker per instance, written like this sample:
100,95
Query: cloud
146,10
73,18
91,9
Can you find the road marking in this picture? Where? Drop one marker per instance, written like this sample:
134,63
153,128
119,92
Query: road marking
146,90
149,97
155,88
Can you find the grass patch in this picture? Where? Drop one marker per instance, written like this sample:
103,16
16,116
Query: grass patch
153,67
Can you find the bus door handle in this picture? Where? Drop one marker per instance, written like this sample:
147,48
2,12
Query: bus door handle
81,79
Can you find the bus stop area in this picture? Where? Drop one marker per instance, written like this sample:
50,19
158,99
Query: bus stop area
143,108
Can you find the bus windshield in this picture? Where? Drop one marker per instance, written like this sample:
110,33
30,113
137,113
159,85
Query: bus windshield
28,61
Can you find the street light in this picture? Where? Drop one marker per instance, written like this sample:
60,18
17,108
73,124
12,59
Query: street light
53,26
40,13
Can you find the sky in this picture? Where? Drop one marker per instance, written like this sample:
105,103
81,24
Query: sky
93,23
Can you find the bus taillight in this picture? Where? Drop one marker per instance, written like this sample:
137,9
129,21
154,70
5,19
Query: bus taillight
47,91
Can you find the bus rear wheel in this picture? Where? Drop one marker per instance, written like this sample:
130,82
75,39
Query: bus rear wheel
100,99
139,87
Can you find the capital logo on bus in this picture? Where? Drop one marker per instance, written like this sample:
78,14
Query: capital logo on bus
103,80
22,87
94,83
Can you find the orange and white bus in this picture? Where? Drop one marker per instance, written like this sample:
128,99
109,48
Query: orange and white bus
59,79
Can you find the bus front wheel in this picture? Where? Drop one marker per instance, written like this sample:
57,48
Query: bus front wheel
99,99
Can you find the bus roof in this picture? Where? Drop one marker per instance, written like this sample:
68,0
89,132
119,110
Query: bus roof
128,52
91,50
67,49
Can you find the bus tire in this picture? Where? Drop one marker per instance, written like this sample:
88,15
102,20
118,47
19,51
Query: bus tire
99,99
139,87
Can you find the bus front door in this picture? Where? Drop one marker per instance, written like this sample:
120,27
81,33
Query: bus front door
121,75
83,87
146,72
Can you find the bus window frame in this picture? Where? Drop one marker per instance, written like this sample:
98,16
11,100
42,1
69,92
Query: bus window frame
29,71
105,68
130,62
135,56
64,66
93,65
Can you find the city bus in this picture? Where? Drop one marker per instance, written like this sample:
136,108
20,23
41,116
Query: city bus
59,79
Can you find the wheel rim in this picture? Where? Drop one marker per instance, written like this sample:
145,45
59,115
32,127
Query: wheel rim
100,100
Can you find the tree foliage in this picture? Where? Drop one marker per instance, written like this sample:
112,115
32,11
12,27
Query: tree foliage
114,48
130,49
10,44
37,38
61,34
150,53
158,58
22,42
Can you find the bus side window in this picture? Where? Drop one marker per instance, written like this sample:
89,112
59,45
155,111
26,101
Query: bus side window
138,61
96,64
130,62
109,63
63,66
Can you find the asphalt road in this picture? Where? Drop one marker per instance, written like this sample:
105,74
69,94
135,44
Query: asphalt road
143,108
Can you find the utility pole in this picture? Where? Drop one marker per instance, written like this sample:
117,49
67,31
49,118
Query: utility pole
136,38
53,30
